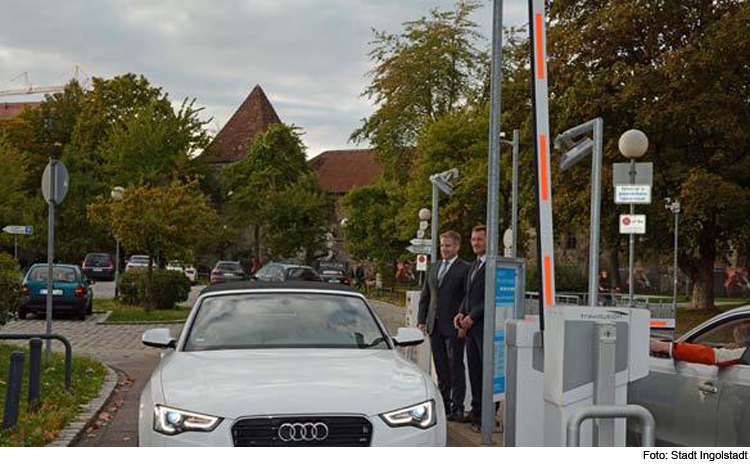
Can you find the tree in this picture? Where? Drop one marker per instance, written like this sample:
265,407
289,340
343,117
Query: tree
12,178
675,69
299,220
275,161
371,230
428,70
170,221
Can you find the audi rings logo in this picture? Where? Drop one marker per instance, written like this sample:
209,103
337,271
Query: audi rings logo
303,432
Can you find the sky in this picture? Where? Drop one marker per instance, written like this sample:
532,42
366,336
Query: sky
309,56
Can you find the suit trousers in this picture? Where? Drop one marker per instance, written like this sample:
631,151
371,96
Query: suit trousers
474,345
448,355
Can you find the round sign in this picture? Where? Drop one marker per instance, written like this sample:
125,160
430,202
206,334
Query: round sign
626,221
56,171
420,234
422,258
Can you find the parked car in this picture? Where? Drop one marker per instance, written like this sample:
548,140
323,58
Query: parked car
71,291
187,269
287,364
99,267
335,277
699,405
136,261
281,272
226,271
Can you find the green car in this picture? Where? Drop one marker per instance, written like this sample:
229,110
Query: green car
71,291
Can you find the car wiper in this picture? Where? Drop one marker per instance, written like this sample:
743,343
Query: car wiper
374,342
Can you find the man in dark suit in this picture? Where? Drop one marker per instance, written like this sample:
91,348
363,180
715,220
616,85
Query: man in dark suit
441,297
471,320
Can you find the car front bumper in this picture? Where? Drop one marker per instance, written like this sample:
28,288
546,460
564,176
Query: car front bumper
382,436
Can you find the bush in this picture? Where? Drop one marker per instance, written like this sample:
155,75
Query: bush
10,287
568,278
168,287
10,294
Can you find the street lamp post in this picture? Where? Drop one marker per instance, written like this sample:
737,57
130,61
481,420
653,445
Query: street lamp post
440,182
633,144
577,151
674,207
117,194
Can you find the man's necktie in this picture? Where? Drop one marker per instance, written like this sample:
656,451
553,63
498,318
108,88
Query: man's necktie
477,266
443,270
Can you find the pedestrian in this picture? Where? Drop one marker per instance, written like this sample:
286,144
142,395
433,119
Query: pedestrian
470,319
441,297
359,274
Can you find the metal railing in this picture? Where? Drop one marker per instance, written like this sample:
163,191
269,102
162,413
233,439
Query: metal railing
43,336
628,411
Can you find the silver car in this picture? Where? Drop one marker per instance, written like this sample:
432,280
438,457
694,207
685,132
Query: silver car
697,404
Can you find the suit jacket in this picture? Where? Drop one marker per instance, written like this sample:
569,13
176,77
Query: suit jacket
473,303
439,303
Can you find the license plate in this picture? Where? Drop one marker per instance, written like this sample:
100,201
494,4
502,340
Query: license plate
97,269
335,281
54,292
228,275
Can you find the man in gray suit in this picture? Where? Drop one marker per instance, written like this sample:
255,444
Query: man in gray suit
441,297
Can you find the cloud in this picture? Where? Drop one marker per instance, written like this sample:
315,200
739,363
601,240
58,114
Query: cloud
310,56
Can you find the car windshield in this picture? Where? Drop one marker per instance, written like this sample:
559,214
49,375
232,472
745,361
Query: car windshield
59,274
98,259
284,320
232,266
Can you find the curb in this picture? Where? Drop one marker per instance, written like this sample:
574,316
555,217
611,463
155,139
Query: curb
74,430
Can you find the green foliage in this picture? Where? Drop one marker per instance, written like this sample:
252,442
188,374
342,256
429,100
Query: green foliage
371,230
168,288
569,277
129,287
128,313
10,287
275,190
674,69
424,72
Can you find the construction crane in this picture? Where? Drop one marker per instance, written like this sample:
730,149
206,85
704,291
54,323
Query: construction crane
29,89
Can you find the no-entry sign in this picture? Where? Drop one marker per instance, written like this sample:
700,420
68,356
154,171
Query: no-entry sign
422,262
632,224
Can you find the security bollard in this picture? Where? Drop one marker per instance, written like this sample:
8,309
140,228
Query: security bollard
13,392
35,371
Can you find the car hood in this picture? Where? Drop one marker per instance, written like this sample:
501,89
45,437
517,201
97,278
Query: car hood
236,383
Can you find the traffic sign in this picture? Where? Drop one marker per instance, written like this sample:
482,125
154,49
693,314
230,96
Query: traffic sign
419,249
21,230
421,263
61,182
632,224
420,233
644,172
421,242
633,194
423,225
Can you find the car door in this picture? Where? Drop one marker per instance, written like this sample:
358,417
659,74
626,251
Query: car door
683,398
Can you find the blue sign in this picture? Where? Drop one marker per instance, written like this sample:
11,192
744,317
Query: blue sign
498,378
505,287
29,229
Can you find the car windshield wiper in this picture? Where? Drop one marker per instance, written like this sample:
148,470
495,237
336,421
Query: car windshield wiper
373,343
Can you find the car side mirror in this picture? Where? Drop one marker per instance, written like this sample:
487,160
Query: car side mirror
408,337
159,338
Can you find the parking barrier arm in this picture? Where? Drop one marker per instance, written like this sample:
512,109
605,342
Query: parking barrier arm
44,336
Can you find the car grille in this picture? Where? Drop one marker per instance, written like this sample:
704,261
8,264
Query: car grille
343,431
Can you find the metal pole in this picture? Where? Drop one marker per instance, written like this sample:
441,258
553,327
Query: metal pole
117,268
604,384
493,188
514,218
13,390
35,371
435,224
631,246
676,234
50,253
15,247
596,191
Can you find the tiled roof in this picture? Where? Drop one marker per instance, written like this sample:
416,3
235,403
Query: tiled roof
9,110
254,116
340,171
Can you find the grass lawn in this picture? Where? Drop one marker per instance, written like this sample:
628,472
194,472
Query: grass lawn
128,313
58,407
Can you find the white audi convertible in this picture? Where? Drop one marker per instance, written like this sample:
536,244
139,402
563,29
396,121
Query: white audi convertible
288,364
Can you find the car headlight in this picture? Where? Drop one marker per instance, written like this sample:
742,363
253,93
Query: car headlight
421,415
172,421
